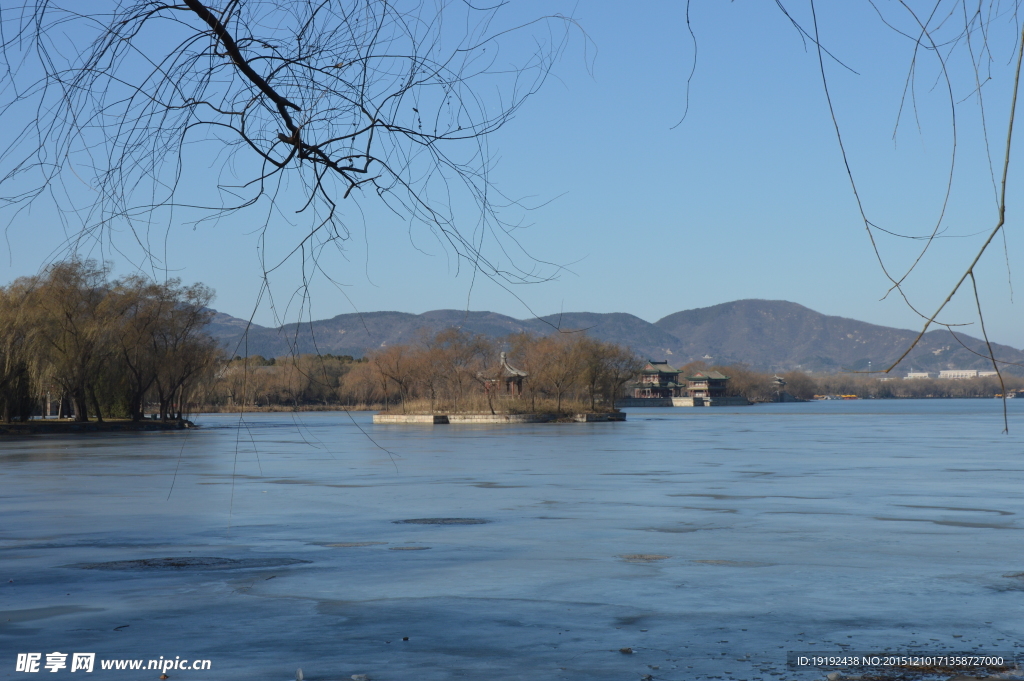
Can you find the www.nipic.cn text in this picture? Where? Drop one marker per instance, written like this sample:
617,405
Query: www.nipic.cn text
86,662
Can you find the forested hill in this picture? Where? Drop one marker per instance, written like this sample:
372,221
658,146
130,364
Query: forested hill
769,335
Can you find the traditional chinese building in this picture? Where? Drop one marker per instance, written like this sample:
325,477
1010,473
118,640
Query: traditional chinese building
513,378
659,384
656,380
706,384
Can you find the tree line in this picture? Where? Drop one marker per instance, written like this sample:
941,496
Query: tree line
450,371
105,348
457,371
102,348
759,386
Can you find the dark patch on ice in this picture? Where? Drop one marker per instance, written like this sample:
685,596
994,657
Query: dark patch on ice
671,530
1016,583
643,557
951,523
808,513
494,485
982,470
734,563
351,544
101,543
189,563
408,548
959,508
442,521
722,497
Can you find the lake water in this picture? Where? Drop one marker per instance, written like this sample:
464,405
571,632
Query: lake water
711,542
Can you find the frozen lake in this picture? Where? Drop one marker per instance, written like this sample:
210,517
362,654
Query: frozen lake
710,542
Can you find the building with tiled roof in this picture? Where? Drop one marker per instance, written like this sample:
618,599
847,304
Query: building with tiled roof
656,379
707,384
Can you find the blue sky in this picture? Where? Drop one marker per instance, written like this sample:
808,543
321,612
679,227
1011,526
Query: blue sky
747,198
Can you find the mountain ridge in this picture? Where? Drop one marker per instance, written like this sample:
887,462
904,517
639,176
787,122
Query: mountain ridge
769,335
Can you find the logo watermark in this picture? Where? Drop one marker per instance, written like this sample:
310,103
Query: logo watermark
86,662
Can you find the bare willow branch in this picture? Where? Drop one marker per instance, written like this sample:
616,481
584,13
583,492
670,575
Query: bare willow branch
293,105
1001,209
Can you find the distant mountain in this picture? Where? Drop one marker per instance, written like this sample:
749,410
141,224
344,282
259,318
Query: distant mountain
770,335
775,334
355,334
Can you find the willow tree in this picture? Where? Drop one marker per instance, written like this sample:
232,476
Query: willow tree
16,384
72,320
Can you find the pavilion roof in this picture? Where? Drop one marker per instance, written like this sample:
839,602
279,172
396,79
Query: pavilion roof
509,371
664,367
702,375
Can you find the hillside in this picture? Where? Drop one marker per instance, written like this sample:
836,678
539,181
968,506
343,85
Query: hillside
775,334
770,335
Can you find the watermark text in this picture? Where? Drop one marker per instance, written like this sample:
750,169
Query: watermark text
87,662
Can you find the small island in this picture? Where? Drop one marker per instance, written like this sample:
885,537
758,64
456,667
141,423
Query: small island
453,379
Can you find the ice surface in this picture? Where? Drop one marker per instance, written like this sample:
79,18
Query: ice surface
708,541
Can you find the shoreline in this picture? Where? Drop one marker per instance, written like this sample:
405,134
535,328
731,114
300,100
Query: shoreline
59,426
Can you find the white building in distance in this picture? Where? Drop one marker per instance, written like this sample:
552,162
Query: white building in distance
959,373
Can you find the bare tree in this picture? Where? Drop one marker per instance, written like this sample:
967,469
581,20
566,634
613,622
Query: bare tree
560,363
143,303
460,357
183,350
620,365
296,104
395,364
362,385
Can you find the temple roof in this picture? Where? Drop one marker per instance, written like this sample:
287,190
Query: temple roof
702,375
509,371
659,367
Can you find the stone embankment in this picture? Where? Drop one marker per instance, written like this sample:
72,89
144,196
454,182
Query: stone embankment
438,419
58,426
